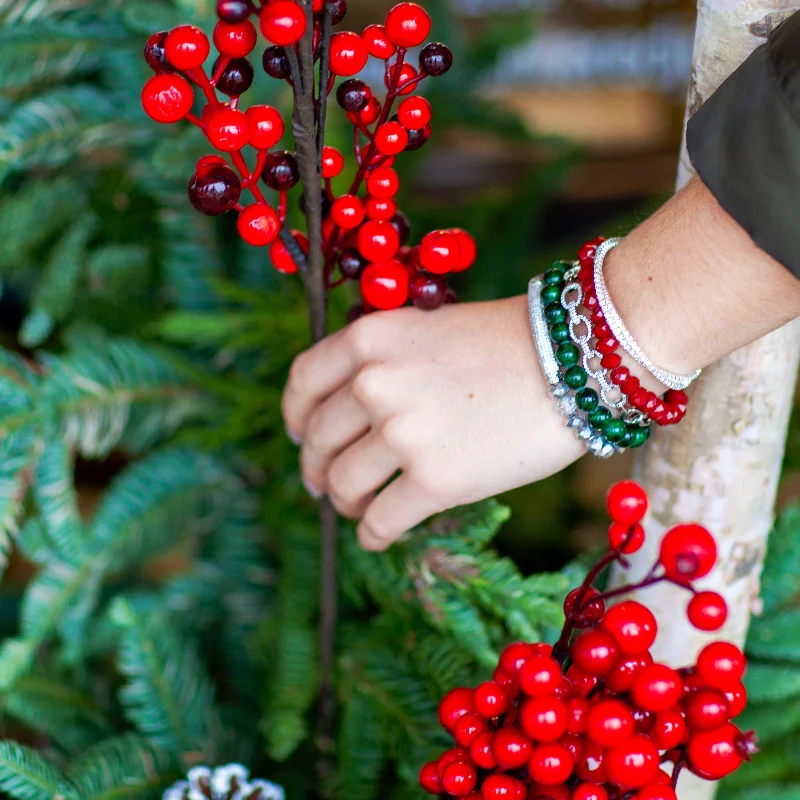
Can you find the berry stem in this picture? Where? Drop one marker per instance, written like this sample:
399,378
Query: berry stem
223,65
247,178
679,765
195,121
201,79
325,77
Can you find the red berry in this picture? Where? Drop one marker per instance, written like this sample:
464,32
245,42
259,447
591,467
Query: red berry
713,754
258,224
235,40
391,138
511,748
408,25
627,502
228,129
592,609
378,43
283,22
737,699
480,751
266,127
332,162
669,730
499,787
634,763
468,728
595,652
414,113
540,676
439,252
349,53
610,723
706,710
514,657
581,682
577,713
208,161
707,611
621,678
551,764
543,719
656,792
721,665
383,182
385,286
589,791
167,98
455,704
368,114
632,625
429,778
575,744
382,210
450,756
459,778
467,247
378,242
627,539
347,211
688,552
591,766
657,688
490,699
401,79
541,791
280,256
186,47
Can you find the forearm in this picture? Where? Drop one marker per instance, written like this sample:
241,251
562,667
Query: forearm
692,287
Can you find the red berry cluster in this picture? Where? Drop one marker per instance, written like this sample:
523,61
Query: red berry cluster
606,728
364,237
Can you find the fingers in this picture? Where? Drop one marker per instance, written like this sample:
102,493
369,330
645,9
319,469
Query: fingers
332,427
359,472
399,507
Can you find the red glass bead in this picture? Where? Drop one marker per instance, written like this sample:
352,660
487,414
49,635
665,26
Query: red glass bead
688,552
235,40
348,53
280,257
630,385
659,413
627,503
283,22
414,113
620,375
590,301
629,538
543,719
332,162
383,182
638,399
347,211
634,763
408,25
551,764
228,129
186,47
266,127
391,138
378,42
167,98
657,688
721,665
607,345
258,224
602,331
678,399
455,704
611,360
632,625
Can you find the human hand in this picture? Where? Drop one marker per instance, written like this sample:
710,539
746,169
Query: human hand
454,400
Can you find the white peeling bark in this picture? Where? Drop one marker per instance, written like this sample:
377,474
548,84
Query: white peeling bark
721,466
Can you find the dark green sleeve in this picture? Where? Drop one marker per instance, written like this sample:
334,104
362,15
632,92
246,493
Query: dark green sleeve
744,143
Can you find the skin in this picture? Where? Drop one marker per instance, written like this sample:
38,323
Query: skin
405,414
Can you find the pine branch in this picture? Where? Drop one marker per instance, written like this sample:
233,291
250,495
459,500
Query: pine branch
25,775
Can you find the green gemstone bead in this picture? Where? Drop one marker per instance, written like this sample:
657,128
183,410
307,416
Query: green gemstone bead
553,276
615,430
567,355
576,377
561,266
600,417
560,333
555,313
640,436
627,440
587,399
552,292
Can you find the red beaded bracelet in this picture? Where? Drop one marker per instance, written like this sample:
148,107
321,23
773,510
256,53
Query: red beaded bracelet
667,410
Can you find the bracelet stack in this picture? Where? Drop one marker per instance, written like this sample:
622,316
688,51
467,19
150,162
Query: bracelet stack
578,332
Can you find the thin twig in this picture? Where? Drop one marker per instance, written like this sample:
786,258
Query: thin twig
324,77
295,251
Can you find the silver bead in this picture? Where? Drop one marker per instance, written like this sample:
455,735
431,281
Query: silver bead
568,405
595,444
585,432
574,422
559,390
608,450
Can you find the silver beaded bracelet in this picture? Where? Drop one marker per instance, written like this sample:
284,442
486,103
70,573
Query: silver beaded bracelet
670,379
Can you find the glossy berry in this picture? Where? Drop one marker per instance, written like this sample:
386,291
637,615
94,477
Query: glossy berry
378,241
540,676
280,171
215,189
236,78
228,129
281,257
275,63
439,252
632,625
543,719
551,764
467,248
408,25
609,723
657,688
721,665
435,59
656,792
154,53
633,763
511,748
514,657
391,138
414,113
167,98
265,125
369,115
499,787
468,728
283,22
186,47
582,682
339,10
737,699
235,40
627,503
258,224
332,162
382,210
450,756
383,182
688,552
209,161
589,791
348,53
347,211
353,95
378,42
577,714
427,291
480,751
707,611
621,678
454,705
583,607
591,766
459,779
595,652
400,78
351,264
429,778
233,10
385,286
713,754
706,710
669,730
417,139
403,227
626,538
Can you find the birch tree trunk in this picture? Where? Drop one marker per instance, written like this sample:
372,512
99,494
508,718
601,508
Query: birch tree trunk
721,466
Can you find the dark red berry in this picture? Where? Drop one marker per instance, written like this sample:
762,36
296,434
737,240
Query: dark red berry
233,10
275,63
582,607
688,552
283,22
403,227
351,264
707,611
417,139
427,291
280,170
215,190
577,713
353,95
154,53
627,503
435,59
236,78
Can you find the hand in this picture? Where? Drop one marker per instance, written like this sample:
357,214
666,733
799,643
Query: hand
454,400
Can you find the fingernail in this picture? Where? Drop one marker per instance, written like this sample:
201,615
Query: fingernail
311,489
293,438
